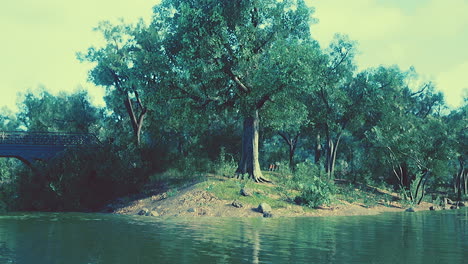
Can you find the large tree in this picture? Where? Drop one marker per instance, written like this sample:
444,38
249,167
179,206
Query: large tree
212,55
238,54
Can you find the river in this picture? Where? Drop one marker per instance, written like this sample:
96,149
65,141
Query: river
421,237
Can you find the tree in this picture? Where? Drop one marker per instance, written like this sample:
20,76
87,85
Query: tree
335,103
44,112
8,121
288,119
457,121
236,58
213,55
119,68
409,132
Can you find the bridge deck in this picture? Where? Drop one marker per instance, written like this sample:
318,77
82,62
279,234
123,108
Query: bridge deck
30,146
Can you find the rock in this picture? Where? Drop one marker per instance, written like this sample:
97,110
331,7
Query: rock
461,204
143,211
264,208
191,210
152,213
237,204
246,192
448,201
267,215
453,207
433,208
410,210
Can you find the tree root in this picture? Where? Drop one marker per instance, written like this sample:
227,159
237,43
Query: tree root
255,179
261,180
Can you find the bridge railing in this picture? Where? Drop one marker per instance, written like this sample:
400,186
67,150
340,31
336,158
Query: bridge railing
47,138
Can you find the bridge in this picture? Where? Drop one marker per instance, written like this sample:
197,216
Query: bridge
32,146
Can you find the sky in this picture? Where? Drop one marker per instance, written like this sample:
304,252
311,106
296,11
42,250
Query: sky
40,38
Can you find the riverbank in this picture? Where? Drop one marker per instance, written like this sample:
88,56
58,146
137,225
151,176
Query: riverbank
217,196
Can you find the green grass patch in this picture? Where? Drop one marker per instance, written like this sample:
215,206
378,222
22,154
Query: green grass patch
229,189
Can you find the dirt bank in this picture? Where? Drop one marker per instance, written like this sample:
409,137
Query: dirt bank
214,197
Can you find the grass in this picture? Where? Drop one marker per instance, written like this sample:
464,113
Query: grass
367,196
229,189
279,194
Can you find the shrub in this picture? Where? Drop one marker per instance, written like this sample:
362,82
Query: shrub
313,190
78,179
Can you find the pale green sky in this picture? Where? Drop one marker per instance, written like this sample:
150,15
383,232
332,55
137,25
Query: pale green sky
41,37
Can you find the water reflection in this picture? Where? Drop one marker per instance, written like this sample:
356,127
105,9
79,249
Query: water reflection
423,237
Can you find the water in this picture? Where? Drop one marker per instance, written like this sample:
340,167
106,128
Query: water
422,237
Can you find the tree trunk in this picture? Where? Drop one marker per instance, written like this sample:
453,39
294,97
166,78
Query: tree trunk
249,163
292,144
401,173
318,149
331,157
460,181
423,190
465,179
335,150
137,123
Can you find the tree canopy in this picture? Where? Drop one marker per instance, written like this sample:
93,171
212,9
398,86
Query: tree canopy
209,82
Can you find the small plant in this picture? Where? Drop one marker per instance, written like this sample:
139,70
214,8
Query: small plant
172,192
241,184
209,188
226,166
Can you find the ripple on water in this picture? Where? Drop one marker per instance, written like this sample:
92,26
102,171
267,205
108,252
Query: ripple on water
422,237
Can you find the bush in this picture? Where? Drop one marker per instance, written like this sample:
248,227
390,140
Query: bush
78,179
313,190
315,193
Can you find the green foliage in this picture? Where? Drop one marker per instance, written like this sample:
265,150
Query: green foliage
226,166
79,179
9,183
42,111
313,190
172,192
202,66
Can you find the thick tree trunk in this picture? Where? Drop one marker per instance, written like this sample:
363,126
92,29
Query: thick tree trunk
249,164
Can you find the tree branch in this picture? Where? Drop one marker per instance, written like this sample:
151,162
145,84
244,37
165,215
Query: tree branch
420,90
285,137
